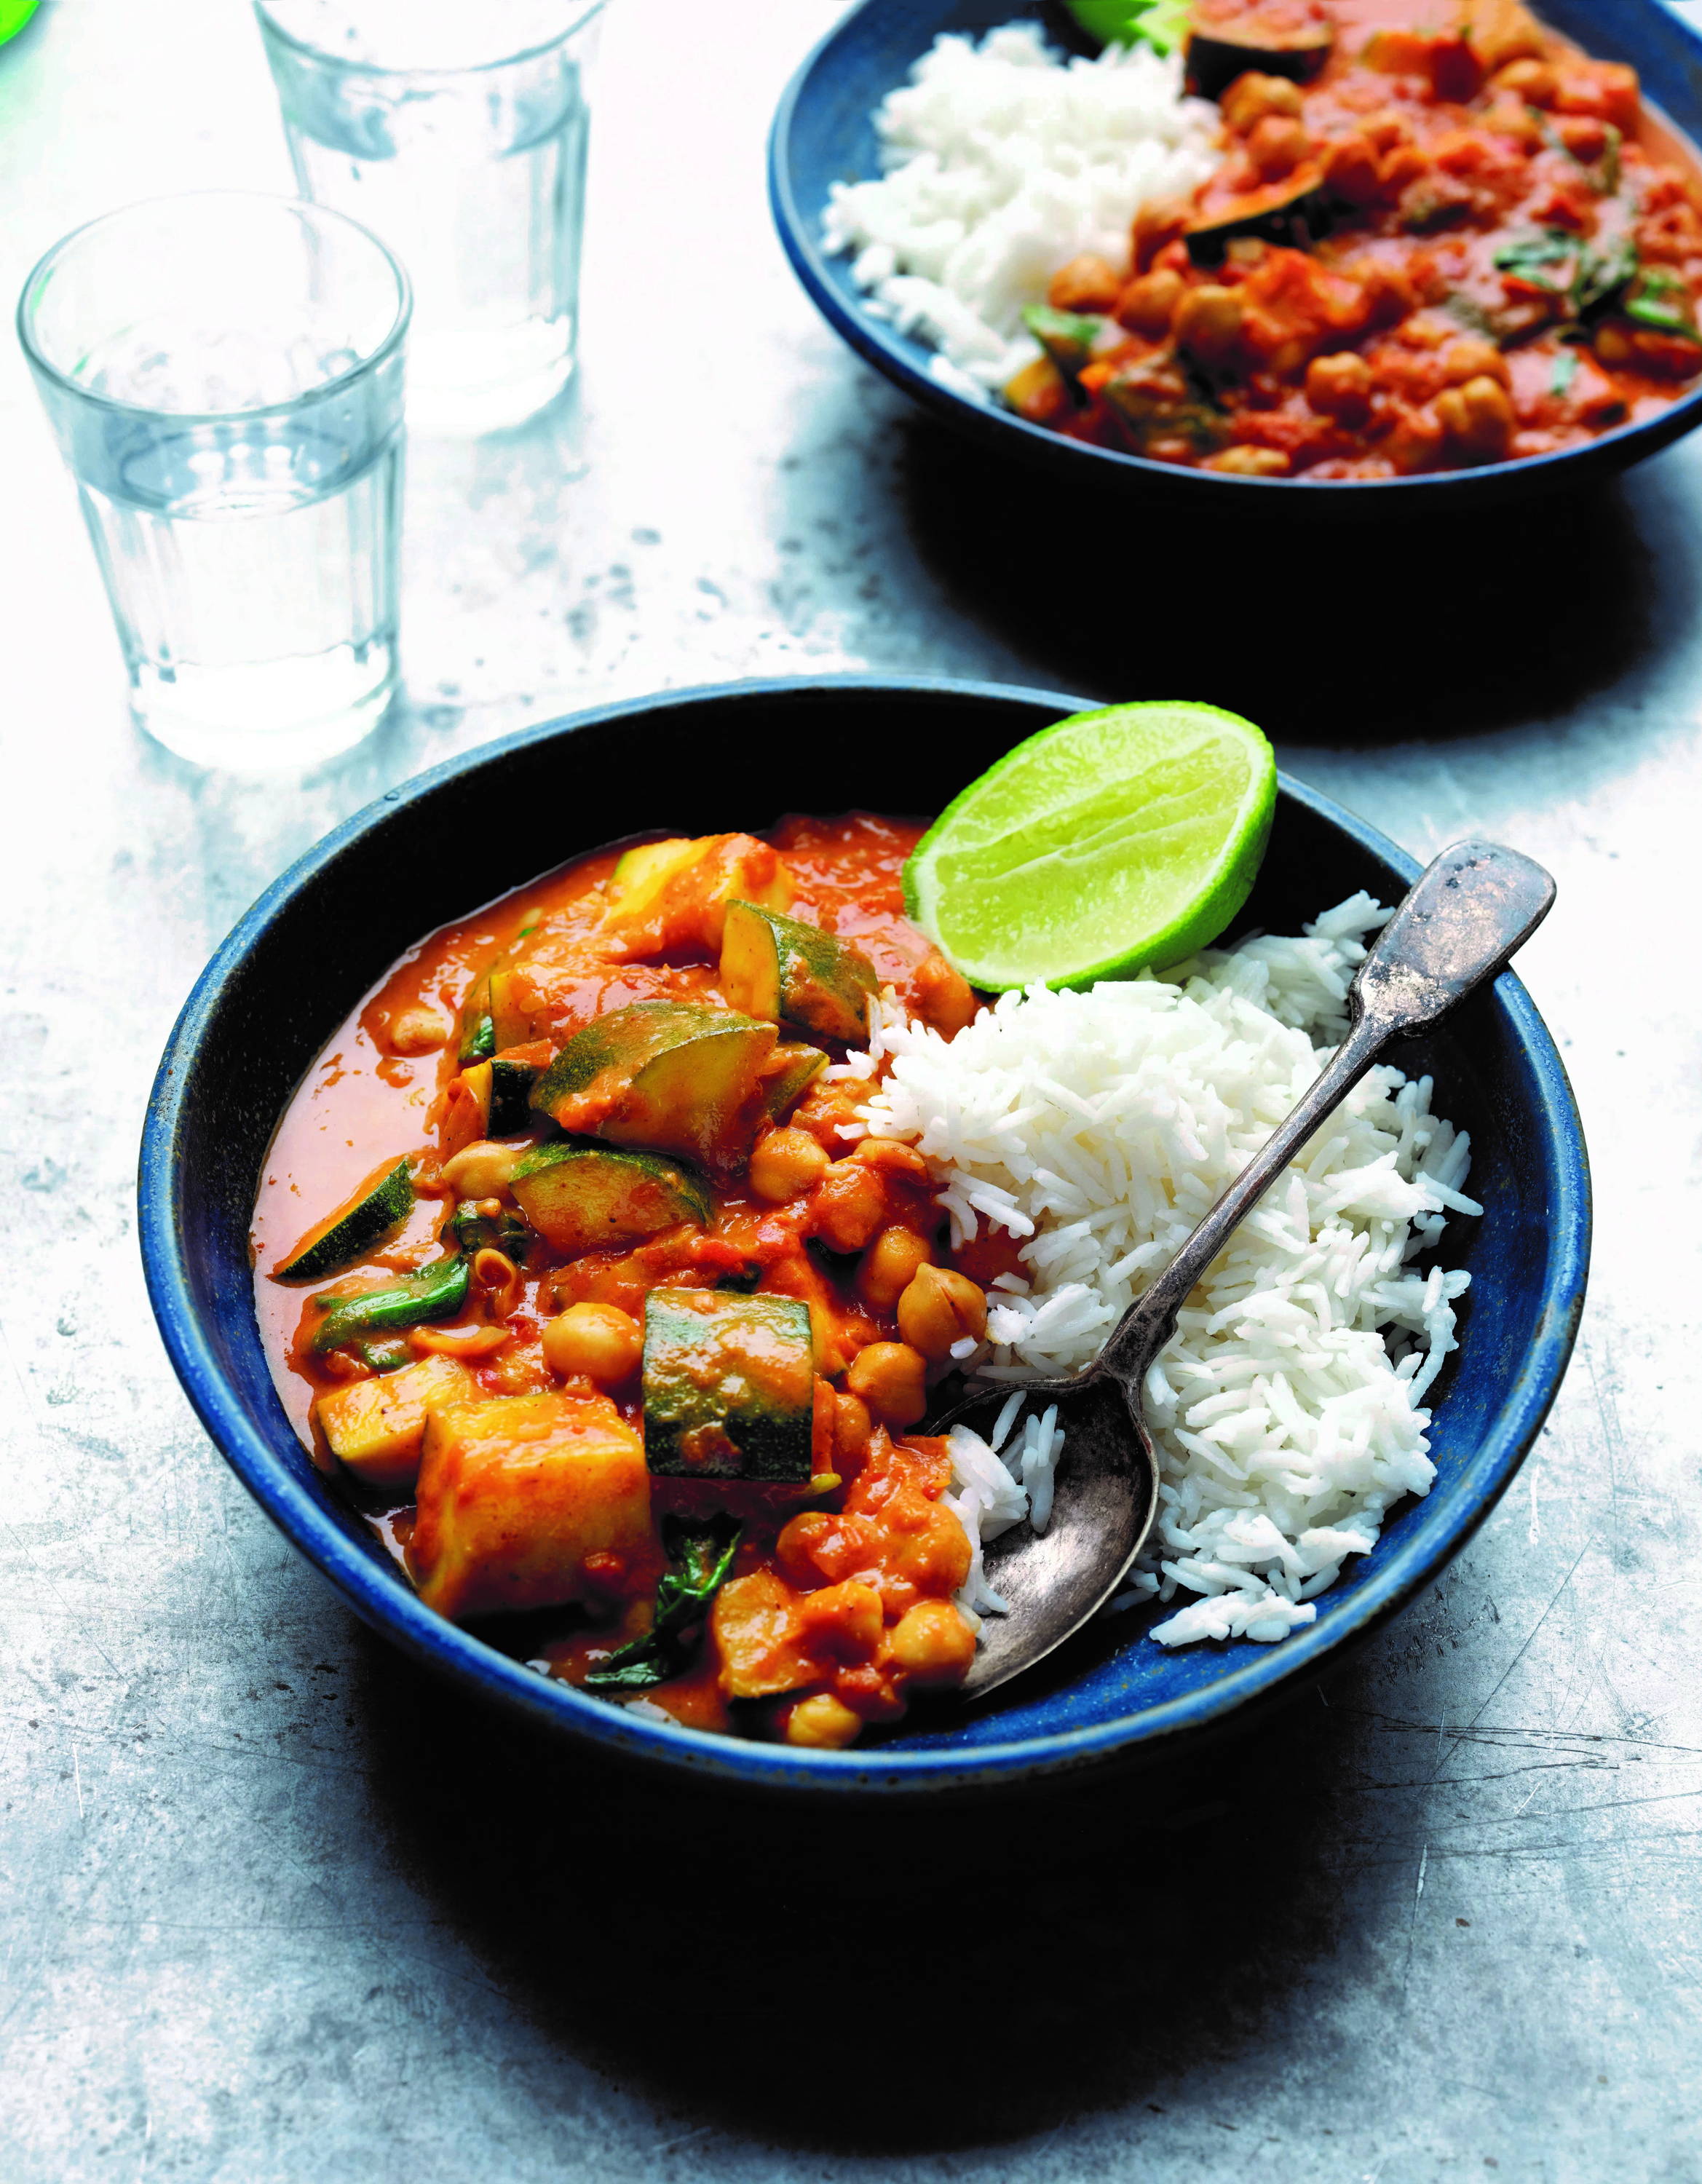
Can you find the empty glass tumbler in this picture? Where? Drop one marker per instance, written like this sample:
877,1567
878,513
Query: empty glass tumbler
456,130
224,374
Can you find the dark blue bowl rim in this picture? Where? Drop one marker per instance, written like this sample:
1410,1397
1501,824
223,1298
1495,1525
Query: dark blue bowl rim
878,344
383,1601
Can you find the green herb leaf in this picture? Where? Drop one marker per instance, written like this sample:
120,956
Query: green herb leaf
480,1041
1528,255
700,1554
1565,372
1660,299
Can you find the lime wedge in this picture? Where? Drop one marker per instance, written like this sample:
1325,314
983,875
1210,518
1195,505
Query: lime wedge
1114,841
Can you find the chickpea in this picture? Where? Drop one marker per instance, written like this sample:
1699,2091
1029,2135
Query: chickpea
1158,223
823,1723
941,996
496,1273
1148,305
1416,441
483,1169
931,1643
891,1379
888,1265
939,1308
1249,462
1208,323
785,1164
1613,345
1351,171
1478,419
419,1030
848,1206
1472,357
599,1341
843,1620
1277,146
1251,97
852,1427
1087,283
1511,117
1583,136
1340,386
1532,80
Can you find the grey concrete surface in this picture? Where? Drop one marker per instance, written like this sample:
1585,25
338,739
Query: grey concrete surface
276,1906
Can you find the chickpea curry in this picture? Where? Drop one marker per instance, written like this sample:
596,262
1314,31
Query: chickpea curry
1439,236
614,1322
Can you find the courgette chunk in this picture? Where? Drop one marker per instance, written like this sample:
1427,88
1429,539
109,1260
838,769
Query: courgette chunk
1066,336
729,1385
1277,37
1293,212
785,971
436,1292
672,894
375,1428
587,1196
790,1072
678,1077
349,1235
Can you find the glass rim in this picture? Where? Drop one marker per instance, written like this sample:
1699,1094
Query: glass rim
41,363
271,25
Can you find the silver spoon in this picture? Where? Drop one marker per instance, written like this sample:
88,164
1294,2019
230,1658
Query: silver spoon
1466,914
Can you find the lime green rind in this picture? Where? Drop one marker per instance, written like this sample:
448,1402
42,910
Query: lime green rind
1050,783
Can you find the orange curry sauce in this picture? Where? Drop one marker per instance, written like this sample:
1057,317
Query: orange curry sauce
838,1600
1460,242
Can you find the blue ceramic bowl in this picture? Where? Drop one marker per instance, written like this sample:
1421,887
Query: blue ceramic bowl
471,829
824,133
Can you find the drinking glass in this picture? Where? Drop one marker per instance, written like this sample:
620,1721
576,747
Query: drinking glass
456,130
223,373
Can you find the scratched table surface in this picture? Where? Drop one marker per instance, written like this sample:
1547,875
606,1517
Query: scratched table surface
277,1905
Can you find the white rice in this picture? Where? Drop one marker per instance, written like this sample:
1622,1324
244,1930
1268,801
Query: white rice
1005,161
1099,1126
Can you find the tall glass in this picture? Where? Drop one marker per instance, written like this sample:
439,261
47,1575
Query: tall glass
456,130
223,373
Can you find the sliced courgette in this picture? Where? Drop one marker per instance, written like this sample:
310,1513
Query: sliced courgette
777,968
679,1077
729,1385
674,894
349,1235
1291,38
1295,211
585,1197
791,1070
436,1292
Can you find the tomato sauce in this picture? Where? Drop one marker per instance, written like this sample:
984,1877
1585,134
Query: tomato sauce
498,1445
1460,242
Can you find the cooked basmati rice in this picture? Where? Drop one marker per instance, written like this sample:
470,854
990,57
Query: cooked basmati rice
1099,1126
1004,162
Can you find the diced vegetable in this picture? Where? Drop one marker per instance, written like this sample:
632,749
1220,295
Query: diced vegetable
788,1075
729,1385
783,970
586,1196
700,1554
436,1292
375,1428
348,1235
675,895
1277,37
478,1031
516,1493
678,1076
755,1630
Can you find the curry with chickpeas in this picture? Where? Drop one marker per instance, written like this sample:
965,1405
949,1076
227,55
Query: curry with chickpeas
611,1316
1439,236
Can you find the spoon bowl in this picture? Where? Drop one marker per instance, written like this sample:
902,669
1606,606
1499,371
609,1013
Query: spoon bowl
1458,925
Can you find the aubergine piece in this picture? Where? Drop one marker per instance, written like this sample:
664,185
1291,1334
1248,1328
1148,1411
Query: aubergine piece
1294,212
1275,37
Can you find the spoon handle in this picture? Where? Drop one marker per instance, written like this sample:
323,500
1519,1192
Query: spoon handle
1466,916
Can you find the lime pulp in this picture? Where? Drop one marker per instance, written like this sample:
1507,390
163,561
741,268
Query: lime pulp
1115,842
